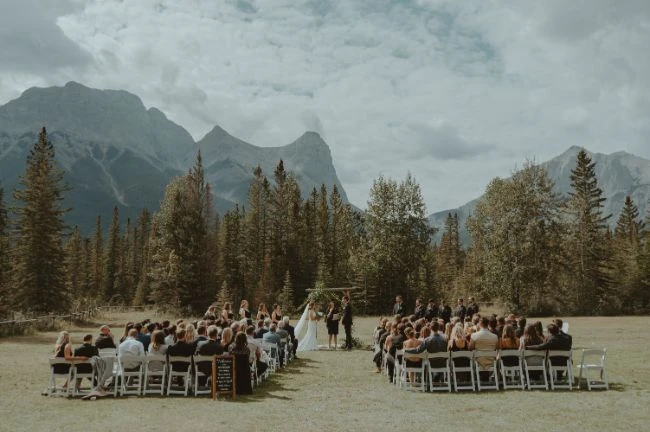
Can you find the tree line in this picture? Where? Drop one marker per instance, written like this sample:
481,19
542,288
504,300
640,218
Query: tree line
531,249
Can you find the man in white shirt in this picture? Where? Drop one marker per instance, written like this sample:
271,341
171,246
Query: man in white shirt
484,340
131,347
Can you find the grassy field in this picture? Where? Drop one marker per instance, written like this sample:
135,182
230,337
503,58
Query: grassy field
337,390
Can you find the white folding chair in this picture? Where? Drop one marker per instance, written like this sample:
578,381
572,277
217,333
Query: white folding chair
397,370
558,363
80,371
462,362
273,356
109,355
184,372
438,366
418,371
54,389
155,375
593,361
130,372
535,362
511,369
202,360
485,363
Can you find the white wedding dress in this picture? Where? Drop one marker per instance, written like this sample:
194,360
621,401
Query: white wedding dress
308,342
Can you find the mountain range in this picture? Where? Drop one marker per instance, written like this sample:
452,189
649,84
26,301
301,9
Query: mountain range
115,151
619,174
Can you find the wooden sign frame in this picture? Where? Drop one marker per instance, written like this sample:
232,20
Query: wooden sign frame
215,388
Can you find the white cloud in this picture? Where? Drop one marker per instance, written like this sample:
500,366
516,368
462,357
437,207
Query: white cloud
454,92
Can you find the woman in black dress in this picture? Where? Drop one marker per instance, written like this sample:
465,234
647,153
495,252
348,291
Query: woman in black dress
242,367
332,320
244,313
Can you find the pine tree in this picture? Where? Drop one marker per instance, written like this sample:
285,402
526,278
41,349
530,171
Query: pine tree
341,236
39,258
626,260
98,260
224,295
74,264
285,299
111,260
586,253
398,237
5,260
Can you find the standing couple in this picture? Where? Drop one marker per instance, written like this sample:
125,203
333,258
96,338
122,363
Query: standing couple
308,342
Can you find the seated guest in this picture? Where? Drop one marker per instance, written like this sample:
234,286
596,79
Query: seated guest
554,342
157,347
127,327
131,346
292,333
394,342
190,334
529,339
433,343
256,350
521,326
484,340
170,335
272,337
180,349
458,342
201,337
409,344
508,338
63,349
226,338
260,329
240,350
211,347
105,338
87,350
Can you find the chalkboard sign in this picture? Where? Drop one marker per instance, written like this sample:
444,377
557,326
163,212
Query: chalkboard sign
223,376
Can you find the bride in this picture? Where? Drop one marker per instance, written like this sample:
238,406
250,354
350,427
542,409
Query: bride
308,341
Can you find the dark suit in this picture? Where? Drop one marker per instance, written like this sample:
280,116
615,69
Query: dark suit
346,320
199,340
180,349
419,312
559,342
86,350
104,341
210,348
433,344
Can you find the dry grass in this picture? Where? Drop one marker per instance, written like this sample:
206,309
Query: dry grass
336,390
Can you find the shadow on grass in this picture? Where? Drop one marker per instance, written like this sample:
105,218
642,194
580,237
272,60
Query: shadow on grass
276,383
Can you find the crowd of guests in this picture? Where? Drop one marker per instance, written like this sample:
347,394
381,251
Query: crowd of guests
215,334
438,329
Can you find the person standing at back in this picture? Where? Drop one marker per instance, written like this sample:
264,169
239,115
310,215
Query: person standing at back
472,307
398,307
346,320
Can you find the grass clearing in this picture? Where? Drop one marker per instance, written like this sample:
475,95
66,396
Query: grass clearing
337,390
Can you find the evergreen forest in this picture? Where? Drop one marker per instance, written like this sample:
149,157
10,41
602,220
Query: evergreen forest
532,250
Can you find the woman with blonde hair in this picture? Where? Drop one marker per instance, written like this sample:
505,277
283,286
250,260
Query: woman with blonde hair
190,333
244,313
63,349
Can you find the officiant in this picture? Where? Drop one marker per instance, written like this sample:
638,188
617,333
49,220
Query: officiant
332,319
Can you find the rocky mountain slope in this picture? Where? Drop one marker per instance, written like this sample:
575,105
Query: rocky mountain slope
115,151
619,174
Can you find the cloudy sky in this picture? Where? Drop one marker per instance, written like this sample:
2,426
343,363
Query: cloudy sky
456,92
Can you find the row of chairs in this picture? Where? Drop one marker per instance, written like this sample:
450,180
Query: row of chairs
504,369
151,374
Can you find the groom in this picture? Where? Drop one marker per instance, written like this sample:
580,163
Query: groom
346,320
